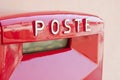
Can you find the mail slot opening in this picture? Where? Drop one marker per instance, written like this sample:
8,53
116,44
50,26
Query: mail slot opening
42,46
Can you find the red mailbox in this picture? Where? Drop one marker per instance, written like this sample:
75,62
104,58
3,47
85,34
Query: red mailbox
51,46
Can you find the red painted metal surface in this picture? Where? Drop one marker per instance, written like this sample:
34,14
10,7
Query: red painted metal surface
82,60
13,29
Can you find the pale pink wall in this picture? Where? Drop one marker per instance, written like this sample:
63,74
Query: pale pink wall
109,10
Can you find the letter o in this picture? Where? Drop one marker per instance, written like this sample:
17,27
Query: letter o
52,27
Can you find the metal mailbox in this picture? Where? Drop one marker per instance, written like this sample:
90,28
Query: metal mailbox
51,46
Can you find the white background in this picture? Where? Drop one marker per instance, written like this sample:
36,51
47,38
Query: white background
108,10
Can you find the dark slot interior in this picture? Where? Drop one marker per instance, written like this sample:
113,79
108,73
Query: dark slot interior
42,46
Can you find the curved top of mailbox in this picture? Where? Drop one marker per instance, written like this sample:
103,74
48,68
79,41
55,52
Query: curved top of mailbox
38,26
44,13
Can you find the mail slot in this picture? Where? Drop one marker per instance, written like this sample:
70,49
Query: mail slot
51,46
